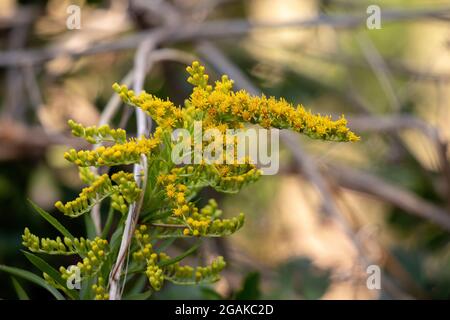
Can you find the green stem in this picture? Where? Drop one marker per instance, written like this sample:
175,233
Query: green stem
108,223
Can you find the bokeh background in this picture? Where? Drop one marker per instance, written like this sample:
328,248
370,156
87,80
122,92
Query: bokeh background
332,210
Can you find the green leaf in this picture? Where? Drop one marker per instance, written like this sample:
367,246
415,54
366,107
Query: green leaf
210,294
108,223
299,276
166,243
32,278
19,290
140,296
138,285
86,293
90,228
250,288
180,257
50,219
48,269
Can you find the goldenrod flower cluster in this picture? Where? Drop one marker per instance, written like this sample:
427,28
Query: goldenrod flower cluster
158,269
154,273
176,192
100,290
59,246
128,191
127,153
124,193
189,275
223,106
206,223
233,177
181,184
89,196
198,78
87,175
169,203
164,112
96,135
96,253
210,271
47,245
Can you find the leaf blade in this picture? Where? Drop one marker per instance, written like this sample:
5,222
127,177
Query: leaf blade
21,294
48,269
50,219
32,278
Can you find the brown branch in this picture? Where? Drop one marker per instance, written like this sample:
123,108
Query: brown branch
401,122
207,30
21,142
369,184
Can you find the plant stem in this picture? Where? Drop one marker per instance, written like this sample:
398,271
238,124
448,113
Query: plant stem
108,223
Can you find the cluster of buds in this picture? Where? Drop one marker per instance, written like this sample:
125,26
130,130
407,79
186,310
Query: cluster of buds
46,245
127,153
89,196
158,270
232,182
222,227
164,112
155,276
87,175
225,106
206,223
211,271
128,188
96,135
225,85
100,290
141,236
216,228
154,273
96,253
197,77
178,273
122,194
189,275
177,193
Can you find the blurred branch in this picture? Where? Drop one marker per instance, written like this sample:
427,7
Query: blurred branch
401,122
17,37
20,141
22,16
32,86
366,183
380,70
206,30
395,65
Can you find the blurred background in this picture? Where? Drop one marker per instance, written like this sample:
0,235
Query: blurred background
333,209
